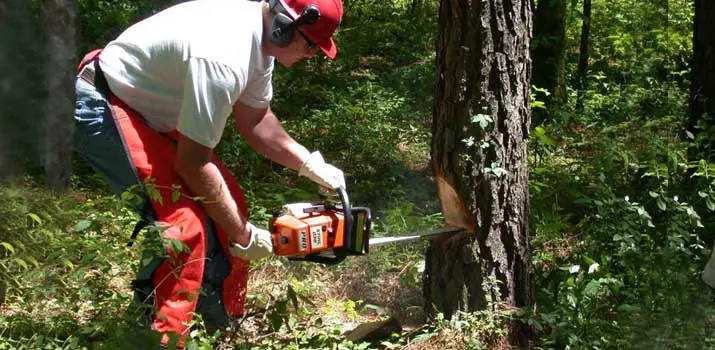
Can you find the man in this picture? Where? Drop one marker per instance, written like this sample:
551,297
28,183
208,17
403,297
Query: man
152,106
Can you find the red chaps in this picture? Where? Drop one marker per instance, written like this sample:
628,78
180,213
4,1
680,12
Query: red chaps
177,281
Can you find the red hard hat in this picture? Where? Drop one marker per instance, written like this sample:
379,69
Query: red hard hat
320,32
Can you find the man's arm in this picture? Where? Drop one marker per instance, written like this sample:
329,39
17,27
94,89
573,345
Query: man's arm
262,130
193,164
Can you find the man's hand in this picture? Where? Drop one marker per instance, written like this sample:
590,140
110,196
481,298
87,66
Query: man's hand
259,246
322,173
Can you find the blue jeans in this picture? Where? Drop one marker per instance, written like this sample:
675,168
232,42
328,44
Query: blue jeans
97,140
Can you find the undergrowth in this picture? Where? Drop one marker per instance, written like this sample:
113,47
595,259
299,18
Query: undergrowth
621,220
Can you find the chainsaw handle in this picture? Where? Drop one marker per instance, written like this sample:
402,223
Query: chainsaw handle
347,211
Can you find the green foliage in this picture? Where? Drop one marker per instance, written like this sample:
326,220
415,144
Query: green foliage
478,330
618,210
617,245
101,21
60,264
621,219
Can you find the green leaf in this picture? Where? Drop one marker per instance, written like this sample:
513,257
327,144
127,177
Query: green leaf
653,194
469,141
153,193
69,264
33,261
82,225
190,296
175,196
35,218
8,246
661,204
146,261
292,295
588,260
627,308
711,205
47,233
21,263
540,133
276,321
536,324
483,120
594,287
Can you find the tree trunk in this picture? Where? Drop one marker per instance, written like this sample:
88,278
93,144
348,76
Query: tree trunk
479,158
549,51
19,91
59,24
583,54
702,89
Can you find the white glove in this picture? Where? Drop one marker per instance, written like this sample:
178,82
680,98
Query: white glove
322,173
258,247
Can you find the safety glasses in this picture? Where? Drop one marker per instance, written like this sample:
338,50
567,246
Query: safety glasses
311,44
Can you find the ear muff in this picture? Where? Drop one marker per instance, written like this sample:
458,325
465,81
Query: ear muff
283,27
281,33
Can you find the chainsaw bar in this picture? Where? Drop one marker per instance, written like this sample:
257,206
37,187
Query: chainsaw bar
378,241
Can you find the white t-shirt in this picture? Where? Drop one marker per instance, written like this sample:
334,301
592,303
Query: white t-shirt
184,68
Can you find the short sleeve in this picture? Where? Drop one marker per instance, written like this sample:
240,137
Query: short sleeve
210,89
259,89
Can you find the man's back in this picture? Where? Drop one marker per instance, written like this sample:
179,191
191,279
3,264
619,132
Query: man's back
184,67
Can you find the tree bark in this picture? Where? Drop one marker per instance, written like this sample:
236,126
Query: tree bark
20,71
702,88
549,52
582,74
479,158
59,24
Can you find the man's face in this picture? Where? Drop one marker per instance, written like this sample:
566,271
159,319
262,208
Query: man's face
298,49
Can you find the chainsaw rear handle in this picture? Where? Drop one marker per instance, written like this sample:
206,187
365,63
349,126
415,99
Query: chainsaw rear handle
358,239
347,212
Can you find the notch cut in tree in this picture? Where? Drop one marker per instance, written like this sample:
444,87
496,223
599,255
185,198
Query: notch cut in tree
479,158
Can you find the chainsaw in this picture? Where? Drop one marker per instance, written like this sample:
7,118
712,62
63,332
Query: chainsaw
328,232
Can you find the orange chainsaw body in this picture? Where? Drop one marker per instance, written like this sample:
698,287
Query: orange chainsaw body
309,232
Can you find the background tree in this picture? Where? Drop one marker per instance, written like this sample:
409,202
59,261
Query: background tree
581,75
702,88
479,158
59,24
20,72
548,47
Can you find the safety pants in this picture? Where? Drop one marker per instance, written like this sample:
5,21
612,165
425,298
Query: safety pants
204,277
